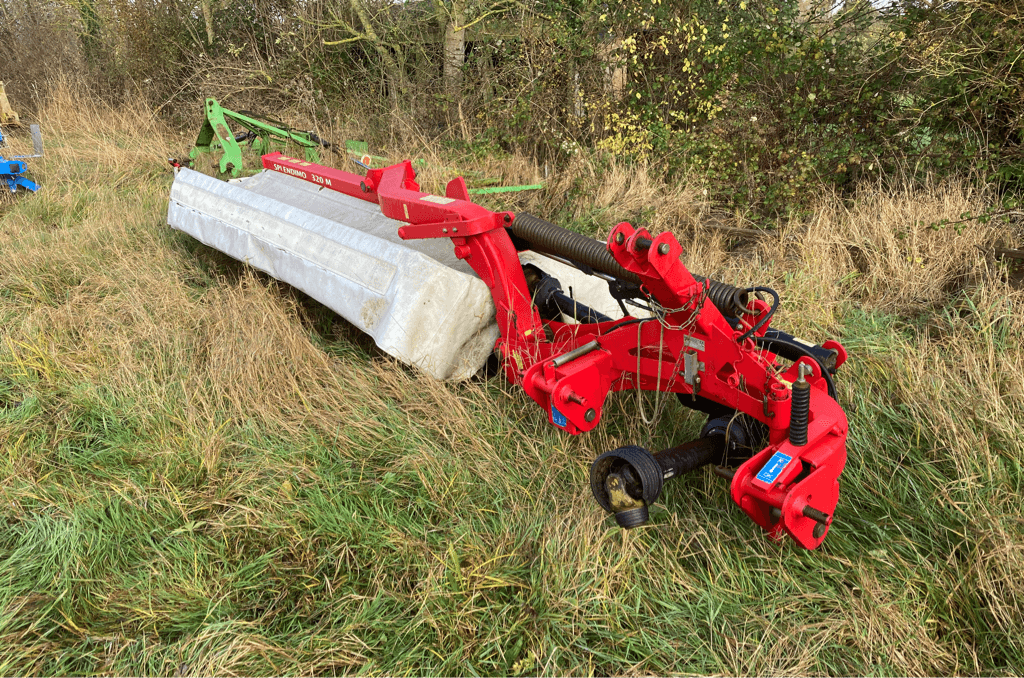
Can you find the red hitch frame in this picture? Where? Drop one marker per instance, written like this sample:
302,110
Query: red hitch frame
690,348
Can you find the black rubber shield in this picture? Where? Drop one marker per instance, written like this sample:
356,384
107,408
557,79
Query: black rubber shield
643,463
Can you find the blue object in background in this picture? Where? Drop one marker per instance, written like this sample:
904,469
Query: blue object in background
11,170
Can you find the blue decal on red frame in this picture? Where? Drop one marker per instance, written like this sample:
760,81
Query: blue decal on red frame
558,418
774,468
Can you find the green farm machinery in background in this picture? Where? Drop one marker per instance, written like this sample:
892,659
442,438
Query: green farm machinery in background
263,136
226,130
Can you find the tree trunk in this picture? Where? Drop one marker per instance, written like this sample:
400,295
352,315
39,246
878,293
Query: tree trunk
208,17
394,72
455,48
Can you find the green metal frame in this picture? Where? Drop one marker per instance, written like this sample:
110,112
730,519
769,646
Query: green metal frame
216,134
505,189
362,148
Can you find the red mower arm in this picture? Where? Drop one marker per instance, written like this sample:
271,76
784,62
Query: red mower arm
707,342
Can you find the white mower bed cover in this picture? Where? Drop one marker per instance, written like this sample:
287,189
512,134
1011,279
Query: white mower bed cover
333,205
419,302
416,309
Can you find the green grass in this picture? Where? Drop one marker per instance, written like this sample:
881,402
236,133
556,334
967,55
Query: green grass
205,472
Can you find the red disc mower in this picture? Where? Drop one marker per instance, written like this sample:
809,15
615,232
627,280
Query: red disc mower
774,428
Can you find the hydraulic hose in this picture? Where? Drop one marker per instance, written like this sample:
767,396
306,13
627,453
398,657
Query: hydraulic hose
788,347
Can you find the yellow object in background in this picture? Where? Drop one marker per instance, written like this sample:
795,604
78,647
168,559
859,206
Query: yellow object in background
7,115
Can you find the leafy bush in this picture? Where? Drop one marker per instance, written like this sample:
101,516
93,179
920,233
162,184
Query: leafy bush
766,100
968,61
763,101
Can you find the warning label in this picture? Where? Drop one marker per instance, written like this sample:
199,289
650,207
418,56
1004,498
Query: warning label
774,468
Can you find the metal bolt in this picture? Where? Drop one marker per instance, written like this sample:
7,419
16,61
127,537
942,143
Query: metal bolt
362,185
455,230
663,248
723,472
815,514
775,513
819,530
444,230
507,218
619,238
590,415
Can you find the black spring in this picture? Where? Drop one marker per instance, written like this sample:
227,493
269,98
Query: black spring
727,299
547,237
553,239
801,405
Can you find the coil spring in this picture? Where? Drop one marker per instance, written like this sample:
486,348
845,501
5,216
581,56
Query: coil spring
547,237
731,301
801,405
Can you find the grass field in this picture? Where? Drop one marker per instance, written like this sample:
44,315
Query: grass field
204,472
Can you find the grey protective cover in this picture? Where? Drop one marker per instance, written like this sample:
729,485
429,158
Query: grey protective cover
345,254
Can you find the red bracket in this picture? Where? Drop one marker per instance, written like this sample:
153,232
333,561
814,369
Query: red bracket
572,387
775,486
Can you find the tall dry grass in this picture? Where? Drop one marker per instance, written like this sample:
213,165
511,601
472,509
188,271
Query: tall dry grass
206,472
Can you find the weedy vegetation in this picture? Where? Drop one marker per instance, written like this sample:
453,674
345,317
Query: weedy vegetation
205,472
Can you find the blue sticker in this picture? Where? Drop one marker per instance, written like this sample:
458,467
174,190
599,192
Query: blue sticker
558,418
773,469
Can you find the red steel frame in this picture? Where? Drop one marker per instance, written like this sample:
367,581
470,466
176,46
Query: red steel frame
647,355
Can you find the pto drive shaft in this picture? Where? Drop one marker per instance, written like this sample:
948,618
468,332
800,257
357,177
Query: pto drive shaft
628,480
